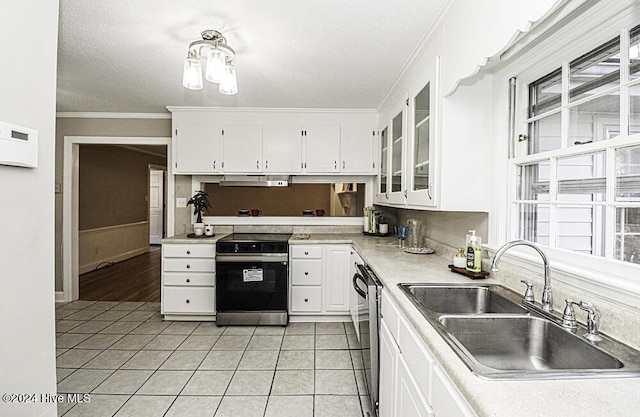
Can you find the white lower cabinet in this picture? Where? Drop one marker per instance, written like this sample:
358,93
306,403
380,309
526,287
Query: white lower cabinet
188,281
319,279
412,383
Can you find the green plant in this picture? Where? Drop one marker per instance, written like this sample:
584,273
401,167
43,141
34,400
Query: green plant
200,203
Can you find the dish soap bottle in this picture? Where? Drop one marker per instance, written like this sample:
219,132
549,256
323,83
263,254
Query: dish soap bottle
474,253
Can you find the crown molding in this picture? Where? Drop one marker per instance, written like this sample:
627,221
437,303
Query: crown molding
107,115
269,109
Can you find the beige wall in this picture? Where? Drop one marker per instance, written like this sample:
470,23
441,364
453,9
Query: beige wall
94,127
114,185
28,41
449,228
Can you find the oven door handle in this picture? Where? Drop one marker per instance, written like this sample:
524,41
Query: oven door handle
359,290
272,257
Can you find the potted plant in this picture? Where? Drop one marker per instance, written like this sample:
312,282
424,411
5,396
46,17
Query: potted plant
200,203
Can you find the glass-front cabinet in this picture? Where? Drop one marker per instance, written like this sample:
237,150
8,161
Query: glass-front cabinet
407,141
421,170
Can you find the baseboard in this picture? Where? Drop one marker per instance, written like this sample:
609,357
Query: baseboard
113,259
308,318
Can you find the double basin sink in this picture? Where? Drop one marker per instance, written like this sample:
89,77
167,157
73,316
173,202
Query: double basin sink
498,337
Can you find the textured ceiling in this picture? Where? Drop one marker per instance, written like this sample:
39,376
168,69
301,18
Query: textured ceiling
127,56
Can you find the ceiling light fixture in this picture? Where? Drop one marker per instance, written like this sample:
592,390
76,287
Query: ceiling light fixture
220,56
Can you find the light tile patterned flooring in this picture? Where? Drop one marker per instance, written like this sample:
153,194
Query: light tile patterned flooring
134,364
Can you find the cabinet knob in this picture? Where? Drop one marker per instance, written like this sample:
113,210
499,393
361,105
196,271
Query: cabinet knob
306,272
188,252
306,252
344,165
188,280
306,300
187,301
188,266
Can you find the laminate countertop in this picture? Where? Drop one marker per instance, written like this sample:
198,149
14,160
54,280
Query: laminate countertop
523,398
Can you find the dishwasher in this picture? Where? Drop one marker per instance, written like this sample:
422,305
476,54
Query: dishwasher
369,290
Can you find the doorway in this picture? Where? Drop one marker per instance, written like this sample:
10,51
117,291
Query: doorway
70,227
157,204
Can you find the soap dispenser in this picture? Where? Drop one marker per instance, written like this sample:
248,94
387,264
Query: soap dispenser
474,253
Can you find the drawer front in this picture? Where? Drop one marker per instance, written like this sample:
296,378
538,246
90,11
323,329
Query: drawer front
189,265
391,315
306,299
306,272
188,251
196,300
306,252
189,279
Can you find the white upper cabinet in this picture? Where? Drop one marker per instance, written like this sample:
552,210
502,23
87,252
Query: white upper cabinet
420,155
196,148
357,144
242,149
322,149
282,149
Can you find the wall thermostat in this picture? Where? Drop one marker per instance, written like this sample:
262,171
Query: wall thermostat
18,146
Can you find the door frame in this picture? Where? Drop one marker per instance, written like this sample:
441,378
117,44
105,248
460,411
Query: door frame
150,168
70,182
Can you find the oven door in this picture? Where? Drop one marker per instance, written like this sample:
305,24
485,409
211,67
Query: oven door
251,283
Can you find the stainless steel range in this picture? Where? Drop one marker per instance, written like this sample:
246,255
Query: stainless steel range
252,279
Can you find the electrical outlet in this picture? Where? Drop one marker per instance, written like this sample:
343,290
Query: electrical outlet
181,202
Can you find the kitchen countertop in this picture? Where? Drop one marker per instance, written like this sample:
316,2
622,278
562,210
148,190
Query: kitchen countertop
524,398
198,240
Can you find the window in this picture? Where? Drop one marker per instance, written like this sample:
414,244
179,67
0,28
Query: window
578,180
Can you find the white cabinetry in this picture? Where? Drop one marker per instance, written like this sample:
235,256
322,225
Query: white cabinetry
196,148
319,279
188,281
357,144
242,149
412,383
322,149
282,149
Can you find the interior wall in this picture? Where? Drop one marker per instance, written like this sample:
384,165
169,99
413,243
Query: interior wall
29,32
113,186
287,201
115,127
448,227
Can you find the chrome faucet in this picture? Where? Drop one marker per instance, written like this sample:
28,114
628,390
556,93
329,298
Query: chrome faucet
547,299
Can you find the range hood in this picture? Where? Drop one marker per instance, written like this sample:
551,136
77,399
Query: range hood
255,181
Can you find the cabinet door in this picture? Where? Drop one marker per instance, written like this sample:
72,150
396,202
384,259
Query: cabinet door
446,398
396,147
282,149
384,186
196,148
411,402
336,284
322,149
242,149
389,353
356,148
420,152
354,299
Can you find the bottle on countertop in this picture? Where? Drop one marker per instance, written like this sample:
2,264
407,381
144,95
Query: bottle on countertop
474,253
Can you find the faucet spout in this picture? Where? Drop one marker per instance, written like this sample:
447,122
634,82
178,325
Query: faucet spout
547,298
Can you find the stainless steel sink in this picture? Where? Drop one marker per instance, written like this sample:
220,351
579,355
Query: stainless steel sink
524,344
498,337
448,299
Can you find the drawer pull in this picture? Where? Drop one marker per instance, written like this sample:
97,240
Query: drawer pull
188,280
306,300
188,252
306,273
188,266
187,301
306,252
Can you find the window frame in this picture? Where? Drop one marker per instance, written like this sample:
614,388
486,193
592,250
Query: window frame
604,276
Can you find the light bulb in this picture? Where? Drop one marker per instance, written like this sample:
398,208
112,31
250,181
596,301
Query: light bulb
192,74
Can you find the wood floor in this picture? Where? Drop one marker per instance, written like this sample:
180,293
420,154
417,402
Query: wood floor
136,279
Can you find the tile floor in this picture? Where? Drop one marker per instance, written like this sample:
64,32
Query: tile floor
134,364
